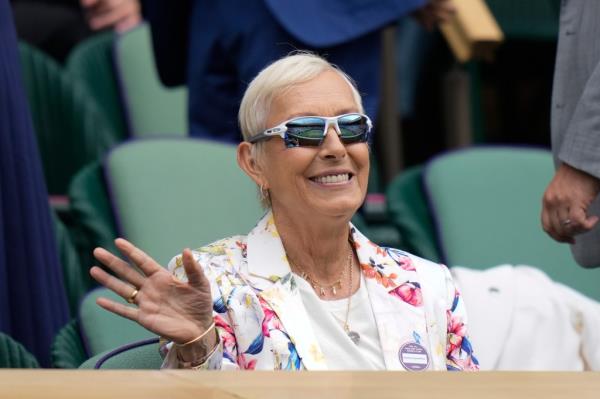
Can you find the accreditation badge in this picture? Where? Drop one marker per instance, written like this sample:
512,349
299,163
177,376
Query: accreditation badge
413,356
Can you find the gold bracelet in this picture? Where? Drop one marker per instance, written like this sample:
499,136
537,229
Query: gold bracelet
198,338
198,363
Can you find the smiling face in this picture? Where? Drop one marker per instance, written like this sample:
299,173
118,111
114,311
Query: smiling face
328,180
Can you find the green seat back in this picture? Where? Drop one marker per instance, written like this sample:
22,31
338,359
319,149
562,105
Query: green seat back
486,204
102,330
91,62
169,194
92,226
67,347
92,223
409,212
71,131
152,109
141,355
14,355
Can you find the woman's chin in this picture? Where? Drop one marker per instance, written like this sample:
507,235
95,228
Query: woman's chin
341,208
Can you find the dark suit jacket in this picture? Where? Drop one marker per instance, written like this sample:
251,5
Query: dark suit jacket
223,44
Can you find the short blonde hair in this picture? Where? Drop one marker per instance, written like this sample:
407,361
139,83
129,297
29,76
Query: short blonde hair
296,68
293,69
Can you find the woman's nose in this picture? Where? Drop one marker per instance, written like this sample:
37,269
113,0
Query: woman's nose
332,146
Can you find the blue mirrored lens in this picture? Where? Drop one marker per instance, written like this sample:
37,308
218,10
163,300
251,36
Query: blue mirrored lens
353,127
309,128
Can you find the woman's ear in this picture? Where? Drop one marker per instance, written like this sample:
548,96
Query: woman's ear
247,162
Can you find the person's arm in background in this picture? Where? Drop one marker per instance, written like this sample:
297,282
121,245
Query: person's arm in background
121,15
570,203
169,22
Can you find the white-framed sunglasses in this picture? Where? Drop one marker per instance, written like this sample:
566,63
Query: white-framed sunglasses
311,130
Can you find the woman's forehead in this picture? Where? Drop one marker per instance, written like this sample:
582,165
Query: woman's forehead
327,94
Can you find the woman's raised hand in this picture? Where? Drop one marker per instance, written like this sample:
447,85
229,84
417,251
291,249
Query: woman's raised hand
179,311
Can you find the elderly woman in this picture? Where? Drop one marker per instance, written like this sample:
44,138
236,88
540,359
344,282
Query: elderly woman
304,289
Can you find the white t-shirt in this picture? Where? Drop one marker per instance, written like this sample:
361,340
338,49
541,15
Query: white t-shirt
327,319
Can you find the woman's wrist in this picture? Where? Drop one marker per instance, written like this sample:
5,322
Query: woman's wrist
208,361
199,348
207,330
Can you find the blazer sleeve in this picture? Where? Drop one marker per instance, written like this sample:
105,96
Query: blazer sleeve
459,352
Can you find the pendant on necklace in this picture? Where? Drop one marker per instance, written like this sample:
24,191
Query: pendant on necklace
336,286
354,336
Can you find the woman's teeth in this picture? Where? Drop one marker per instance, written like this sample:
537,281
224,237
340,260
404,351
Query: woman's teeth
332,179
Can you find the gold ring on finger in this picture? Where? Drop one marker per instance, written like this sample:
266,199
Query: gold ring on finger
131,298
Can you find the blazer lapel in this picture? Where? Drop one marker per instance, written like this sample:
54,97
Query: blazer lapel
394,292
270,274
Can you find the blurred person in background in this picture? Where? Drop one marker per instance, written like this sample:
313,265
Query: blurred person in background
571,206
56,26
33,302
217,47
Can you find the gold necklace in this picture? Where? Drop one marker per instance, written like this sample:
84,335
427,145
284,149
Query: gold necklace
353,335
321,289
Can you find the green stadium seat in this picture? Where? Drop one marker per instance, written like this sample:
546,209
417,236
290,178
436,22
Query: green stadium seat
140,355
94,332
14,355
91,62
151,108
92,222
486,206
102,330
71,130
408,211
169,194
67,348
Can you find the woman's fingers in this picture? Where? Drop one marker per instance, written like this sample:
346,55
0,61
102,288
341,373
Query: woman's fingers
128,312
193,270
138,257
119,287
119,266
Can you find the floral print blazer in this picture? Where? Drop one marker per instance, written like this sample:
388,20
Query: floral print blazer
262,323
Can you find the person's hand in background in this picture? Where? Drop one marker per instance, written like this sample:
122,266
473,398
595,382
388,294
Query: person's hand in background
434,13
566,202
121,15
